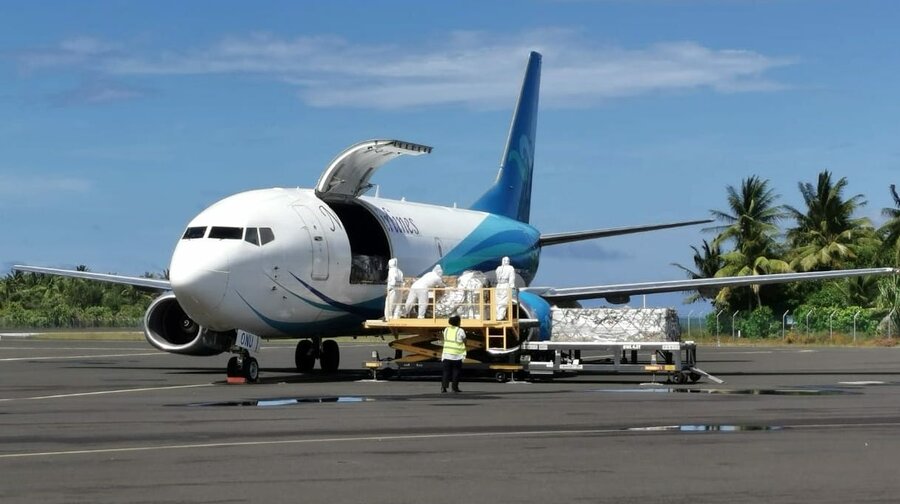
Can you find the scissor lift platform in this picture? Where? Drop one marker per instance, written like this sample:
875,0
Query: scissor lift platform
491,344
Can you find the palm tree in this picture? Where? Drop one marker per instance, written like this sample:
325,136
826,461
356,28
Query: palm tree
707,263
751,223
827,235
753,219
890,231
740,264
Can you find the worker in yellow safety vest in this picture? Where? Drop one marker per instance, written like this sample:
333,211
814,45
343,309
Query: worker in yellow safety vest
453,355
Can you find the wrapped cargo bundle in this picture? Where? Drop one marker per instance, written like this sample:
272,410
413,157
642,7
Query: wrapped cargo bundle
464,299
614,325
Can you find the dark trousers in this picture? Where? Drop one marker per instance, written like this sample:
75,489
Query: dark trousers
451,369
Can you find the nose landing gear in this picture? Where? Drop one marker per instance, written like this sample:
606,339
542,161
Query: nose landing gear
242,368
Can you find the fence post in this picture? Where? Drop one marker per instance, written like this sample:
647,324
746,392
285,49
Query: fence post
783,317
807,322
831,325
891,323
689,323
854,324
732,323
718,343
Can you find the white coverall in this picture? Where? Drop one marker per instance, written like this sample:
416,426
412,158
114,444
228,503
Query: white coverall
394,283
418,292
470,286
506,280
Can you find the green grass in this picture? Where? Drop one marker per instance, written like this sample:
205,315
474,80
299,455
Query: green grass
799,339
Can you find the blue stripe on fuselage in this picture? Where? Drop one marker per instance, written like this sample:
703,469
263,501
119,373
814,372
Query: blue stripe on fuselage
372,308
494,238
331,326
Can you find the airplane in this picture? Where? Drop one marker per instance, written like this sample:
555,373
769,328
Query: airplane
311,263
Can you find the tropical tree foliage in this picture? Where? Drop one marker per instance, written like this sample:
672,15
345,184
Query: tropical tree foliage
39,301
827,235
890,231
706,263
751,226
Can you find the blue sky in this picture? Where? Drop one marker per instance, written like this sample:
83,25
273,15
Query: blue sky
119,121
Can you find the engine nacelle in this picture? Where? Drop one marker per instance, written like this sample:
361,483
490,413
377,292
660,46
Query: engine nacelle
168,328
535,307
624,299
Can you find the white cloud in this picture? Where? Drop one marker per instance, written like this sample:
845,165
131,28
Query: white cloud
470,68
26,187
97,92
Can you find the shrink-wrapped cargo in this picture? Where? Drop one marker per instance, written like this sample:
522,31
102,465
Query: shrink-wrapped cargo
614,325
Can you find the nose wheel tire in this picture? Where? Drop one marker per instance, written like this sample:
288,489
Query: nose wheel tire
233,368
251,369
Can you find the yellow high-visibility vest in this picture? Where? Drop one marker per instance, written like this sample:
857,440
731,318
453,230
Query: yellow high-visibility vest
451,345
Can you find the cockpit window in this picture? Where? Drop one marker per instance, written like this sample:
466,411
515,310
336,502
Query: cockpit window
194,232
226,233
265,235
252,236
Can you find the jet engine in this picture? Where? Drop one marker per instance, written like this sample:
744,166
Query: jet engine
168,328
532,306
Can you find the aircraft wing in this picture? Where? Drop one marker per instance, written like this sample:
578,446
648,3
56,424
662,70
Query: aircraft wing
556,238
348,174
148,283
618,293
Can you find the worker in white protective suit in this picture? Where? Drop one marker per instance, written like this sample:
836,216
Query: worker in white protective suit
394,283
506,281
470,284
418,292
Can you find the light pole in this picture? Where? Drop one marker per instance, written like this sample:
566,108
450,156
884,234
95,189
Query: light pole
732,323
783,323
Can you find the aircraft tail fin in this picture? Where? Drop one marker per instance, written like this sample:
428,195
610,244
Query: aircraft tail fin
510,196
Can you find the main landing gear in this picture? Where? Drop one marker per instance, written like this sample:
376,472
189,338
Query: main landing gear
308,351
243,366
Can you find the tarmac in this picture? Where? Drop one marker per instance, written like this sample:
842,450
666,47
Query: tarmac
117,421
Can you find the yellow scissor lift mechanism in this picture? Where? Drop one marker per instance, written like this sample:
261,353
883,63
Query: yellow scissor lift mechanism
488,341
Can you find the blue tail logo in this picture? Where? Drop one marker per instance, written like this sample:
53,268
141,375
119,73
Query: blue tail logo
510,196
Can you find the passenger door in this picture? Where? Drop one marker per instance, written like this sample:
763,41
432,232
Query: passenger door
319,258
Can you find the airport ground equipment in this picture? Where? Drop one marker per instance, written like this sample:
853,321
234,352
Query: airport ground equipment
582,340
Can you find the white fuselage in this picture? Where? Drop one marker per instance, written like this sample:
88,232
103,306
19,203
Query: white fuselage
284,263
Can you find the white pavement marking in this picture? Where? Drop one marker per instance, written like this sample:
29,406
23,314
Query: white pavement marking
864,382
414,437
105,392
58,357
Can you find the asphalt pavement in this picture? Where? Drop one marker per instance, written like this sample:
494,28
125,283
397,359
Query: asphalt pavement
108,421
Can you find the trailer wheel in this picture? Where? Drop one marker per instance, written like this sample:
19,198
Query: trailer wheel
679,378
695,377
501,377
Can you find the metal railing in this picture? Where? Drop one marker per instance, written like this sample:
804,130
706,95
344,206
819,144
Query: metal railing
440,303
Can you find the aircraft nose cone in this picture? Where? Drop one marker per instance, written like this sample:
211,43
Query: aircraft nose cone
199,281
